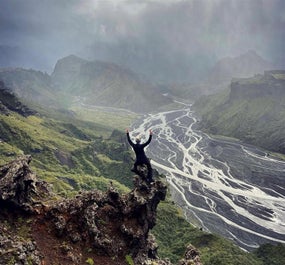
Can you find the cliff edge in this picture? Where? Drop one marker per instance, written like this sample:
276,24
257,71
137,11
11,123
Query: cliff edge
94,227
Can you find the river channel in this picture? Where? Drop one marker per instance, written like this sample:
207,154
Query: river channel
223,186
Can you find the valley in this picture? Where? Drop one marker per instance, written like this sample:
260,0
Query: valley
223,186
83,148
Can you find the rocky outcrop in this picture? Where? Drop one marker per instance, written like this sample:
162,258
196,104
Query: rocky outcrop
192,256
103,227
112,224
19,186
21,197
15,250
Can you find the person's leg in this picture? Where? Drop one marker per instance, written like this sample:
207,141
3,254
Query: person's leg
149,172
135,168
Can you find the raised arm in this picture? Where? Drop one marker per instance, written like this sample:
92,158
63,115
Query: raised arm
128,137
149,139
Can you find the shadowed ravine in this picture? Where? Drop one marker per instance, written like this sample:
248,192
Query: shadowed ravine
223,186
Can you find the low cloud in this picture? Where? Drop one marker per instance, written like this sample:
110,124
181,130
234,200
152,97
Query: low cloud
168,34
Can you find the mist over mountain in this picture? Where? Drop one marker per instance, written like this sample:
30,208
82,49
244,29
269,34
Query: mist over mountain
105,84
167,41
9,56
9,102
85,82
221,74
30,85
245,65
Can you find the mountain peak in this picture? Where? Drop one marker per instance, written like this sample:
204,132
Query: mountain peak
244,65
70,62
252,57
250,53
72,58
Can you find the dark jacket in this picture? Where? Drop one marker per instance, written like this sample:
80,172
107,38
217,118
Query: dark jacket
139,150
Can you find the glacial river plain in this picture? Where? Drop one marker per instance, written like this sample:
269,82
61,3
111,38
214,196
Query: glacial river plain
223,186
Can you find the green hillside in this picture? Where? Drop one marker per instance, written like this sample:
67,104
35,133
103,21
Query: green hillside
252,110
173,234
68,152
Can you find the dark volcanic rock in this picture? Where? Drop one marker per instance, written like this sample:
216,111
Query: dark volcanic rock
21,194
192,256
103,227
114,224
19,186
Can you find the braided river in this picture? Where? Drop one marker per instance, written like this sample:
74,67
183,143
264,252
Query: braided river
223,186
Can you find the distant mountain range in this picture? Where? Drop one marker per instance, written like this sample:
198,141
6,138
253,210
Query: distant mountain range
93,83
245,65
251,109
76,80
220,75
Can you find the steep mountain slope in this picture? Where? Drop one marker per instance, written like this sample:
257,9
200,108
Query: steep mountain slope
63,146
252,110
29,85
105,84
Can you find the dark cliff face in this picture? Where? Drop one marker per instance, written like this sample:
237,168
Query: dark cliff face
106,228
9,102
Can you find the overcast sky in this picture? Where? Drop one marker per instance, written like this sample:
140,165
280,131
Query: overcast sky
46,30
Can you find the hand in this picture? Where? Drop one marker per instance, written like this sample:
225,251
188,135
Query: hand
127,130
150,132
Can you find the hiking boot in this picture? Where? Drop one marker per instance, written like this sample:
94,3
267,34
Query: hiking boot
135,171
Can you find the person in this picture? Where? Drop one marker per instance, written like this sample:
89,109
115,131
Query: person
141,157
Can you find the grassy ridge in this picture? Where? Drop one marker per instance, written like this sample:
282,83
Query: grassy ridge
67,152
251,110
